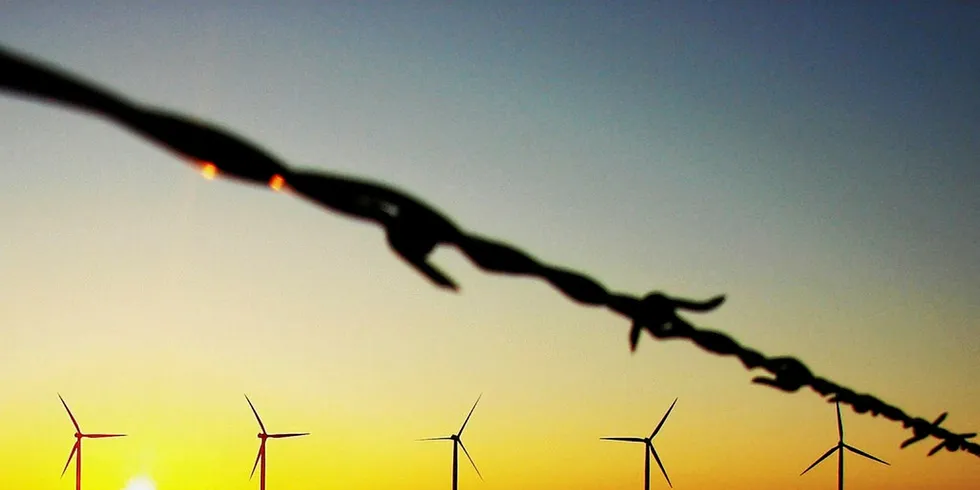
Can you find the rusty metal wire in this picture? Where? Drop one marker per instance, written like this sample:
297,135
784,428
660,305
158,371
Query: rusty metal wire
414,230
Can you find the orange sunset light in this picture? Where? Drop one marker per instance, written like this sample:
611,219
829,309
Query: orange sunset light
277,182
209,171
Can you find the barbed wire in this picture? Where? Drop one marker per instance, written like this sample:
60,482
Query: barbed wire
414,229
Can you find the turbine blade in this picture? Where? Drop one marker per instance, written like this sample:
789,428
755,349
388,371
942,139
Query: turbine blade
73,421
661,424
447,438
292,434
840,425
623,439
468,416
467,453
100,436
256,414
661,465
257,457
828,453
70,455
866,455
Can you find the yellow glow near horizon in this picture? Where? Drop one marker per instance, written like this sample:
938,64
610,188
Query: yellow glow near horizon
140,483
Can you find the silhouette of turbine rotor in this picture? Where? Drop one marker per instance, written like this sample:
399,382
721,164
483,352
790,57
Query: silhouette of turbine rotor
839,449
648,449
457,444
76,449
264,436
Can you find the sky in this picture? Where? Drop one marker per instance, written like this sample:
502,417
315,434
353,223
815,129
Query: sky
814,161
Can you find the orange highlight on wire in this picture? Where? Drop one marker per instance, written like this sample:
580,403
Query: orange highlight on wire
209,170
277,182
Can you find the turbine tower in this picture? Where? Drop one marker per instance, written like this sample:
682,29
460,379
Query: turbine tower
76,450
264,436
840,447
648,450
458,443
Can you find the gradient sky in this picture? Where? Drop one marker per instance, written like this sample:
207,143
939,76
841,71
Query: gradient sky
816,163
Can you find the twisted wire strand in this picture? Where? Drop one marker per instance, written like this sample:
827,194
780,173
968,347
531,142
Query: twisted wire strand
414,229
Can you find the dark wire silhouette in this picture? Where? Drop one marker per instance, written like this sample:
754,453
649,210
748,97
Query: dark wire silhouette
414,229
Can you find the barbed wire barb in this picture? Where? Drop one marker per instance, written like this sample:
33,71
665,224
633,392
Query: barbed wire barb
414,229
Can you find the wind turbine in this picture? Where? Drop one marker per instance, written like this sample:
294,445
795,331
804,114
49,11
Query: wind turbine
648,442
264,436
841,446
458,443
76,450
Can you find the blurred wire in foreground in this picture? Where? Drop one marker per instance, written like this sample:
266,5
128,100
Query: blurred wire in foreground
414,230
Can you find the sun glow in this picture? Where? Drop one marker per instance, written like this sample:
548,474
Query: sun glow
140,483
276,182
209,170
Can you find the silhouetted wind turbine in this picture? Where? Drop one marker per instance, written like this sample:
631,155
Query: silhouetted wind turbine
841,446
264,436
76,450
648,443
458,443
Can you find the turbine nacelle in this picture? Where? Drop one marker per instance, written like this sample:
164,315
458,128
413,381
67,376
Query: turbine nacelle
648,449
264,436
839,448
76,449
458,442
